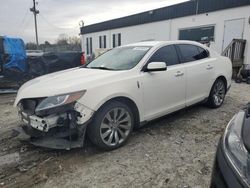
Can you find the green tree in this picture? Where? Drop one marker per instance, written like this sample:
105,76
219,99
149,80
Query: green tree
30,46
62,39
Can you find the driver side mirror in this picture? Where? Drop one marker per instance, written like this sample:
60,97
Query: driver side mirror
156,66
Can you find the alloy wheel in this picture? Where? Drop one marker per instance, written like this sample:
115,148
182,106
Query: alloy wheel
219,93
115,126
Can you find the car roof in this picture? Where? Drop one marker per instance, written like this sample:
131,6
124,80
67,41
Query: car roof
158,43
146,43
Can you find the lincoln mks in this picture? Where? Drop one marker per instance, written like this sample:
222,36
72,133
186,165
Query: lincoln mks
120,90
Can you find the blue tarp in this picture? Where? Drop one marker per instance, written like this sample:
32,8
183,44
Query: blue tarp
15,49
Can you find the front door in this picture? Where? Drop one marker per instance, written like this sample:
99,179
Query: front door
164,91
233,29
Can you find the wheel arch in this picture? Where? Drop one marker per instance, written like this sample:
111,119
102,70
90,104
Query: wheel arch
128,101
209,101
223,78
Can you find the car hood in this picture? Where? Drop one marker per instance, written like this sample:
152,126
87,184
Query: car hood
67,81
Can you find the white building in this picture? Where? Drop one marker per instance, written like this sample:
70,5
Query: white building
217,21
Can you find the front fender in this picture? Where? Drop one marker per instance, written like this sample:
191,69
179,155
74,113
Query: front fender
96,97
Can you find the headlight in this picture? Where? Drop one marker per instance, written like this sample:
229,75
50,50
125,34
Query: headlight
60,100
234,147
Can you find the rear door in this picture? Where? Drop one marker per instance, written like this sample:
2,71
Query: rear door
199,72
164,91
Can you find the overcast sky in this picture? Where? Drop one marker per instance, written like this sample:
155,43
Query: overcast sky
63,16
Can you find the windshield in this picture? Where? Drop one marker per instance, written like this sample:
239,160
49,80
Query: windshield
123,58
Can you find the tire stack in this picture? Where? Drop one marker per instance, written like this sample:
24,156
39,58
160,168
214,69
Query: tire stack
243,75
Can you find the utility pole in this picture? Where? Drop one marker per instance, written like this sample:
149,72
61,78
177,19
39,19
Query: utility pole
197,7
35,12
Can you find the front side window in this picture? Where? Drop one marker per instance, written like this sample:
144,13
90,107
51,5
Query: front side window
203,53
123,58
191,52
165,54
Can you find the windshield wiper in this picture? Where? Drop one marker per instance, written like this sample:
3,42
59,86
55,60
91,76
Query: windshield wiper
102,68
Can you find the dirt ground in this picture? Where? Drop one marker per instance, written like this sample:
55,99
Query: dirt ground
176,151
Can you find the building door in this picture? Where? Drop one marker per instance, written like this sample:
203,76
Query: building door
233,29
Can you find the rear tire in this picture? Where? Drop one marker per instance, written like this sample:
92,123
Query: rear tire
248,80
111,126
217,94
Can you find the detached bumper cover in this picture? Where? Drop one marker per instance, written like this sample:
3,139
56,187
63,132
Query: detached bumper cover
52,142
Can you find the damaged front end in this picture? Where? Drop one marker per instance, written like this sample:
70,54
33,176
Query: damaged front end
57,122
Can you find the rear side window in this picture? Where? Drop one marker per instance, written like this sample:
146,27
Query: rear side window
203,53
165,54
192,53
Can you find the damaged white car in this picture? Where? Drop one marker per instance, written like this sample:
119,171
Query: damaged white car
120,90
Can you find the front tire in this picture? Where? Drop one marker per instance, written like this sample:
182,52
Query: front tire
217,94
111,126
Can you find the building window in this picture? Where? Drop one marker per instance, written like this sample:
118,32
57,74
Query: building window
89,45
102,41
116,40
198,34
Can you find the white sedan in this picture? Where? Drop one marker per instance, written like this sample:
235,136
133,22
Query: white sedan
119,91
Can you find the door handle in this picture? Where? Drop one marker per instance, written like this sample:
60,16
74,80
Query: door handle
209,67
179,73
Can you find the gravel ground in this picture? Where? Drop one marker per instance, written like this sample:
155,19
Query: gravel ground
176,151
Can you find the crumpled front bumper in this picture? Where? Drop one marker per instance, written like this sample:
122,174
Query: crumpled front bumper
42,124
65,130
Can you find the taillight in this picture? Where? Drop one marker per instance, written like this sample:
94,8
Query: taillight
83,62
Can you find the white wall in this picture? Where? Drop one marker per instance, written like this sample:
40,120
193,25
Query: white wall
132,34
169,29
218,19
